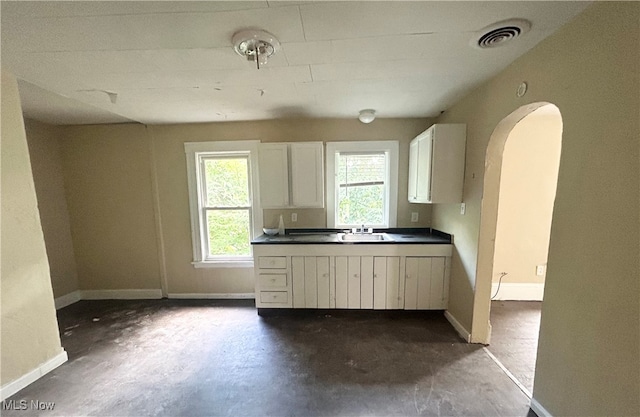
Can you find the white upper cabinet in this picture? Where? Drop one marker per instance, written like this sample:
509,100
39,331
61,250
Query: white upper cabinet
307,175
436,164
291,175
273,163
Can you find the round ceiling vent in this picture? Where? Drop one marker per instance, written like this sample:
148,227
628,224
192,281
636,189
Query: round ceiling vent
502,32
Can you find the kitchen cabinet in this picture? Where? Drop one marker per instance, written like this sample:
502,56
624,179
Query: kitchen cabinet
354,282
426,283
386,275
273,286
311,282
436,164
273,165
291,175
368,282
374,276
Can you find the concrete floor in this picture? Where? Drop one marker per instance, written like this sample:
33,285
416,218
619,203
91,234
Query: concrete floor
214,358
515,326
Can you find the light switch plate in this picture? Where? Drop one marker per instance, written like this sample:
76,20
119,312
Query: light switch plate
414,216
294,217
540,270
463,208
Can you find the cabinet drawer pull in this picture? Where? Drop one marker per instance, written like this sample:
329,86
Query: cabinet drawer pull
272,280
272,262
273,297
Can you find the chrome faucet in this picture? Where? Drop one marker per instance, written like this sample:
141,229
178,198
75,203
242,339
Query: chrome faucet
362,230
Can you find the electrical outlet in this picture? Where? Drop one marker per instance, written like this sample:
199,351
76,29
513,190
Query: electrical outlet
294,217
463,208
414,216
540,270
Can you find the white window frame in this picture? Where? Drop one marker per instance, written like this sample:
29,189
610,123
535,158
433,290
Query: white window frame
391,148
195,152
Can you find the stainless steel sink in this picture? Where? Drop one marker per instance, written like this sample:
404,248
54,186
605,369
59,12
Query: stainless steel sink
364,237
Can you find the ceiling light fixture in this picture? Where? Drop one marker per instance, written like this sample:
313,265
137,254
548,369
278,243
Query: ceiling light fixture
255,45
367,115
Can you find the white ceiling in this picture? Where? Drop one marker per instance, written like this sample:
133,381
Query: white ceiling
173,62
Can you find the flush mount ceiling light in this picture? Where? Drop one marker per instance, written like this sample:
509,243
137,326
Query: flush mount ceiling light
367,115
255,45
502,32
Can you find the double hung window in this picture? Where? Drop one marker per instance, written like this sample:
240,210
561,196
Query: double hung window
362,184
224,213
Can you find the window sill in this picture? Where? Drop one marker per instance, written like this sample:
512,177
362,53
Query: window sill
222,264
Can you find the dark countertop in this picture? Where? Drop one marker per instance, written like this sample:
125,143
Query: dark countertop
332,236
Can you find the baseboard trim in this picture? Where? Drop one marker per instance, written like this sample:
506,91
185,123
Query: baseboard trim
539,409
518,291
464,333
214,296
121,294
152,294
67,299
30,377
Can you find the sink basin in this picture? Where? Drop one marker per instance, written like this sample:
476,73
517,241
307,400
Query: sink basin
364,237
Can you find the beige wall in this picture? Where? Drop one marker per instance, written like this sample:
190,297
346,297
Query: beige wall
29,328
116,174
107,176
527,191
46,164
589,354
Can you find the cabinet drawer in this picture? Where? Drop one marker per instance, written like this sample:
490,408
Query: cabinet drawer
276,297
272,262
273,280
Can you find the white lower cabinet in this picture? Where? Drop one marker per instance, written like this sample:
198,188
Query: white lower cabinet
386,275
311,282
426,283
352,277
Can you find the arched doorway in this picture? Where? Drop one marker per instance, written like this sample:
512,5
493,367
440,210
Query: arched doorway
528,182
481,327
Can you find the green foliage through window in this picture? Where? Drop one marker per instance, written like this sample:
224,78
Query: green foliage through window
229,233
361,193
227,182
227,205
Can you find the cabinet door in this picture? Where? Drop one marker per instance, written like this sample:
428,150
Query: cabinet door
436,164
274,175
311,281
420,164
425,283
380,282
413,171
324,282
411,284
439,285
353,292
386,282
298,281
366,282
423,186
448,163
342,281
393,283
307,175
